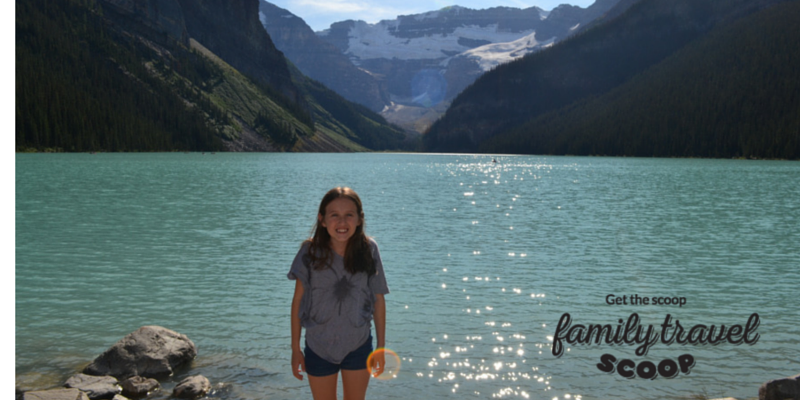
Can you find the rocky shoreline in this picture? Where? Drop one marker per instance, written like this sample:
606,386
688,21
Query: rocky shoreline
132,368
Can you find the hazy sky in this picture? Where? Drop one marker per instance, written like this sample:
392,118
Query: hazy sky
319,14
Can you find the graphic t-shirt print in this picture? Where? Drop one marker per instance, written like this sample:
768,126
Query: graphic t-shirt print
342,291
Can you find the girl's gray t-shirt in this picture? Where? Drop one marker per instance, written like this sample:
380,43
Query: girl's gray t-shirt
337,306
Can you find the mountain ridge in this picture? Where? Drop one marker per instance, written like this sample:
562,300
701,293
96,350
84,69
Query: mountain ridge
709,99
296,39
115,75
587,64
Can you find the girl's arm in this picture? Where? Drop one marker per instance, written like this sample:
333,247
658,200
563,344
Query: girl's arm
298,361
380,320
379,316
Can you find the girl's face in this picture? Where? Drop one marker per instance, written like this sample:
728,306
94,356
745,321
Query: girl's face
340,220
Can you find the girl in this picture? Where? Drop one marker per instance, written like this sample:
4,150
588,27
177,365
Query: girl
339,288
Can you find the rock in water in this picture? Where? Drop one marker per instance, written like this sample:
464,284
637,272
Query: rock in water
137,386
96,387
55,394
192,387
780,389
150,352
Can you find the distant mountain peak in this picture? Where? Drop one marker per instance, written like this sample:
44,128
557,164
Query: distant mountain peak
455,43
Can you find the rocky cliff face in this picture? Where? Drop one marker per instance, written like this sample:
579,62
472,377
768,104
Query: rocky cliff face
319,59
158,16
231,29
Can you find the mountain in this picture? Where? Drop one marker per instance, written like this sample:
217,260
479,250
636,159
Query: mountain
228,29
167,75
586,65
732,93
412,66
320,60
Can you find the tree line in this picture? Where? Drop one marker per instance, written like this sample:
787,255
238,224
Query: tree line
643,83
82,87
735,93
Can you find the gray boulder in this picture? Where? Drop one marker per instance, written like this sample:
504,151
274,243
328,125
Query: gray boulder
780,389
150,352
96,387
192,387
137,386
55,394
119,397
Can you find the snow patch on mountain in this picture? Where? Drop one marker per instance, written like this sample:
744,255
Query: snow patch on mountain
491,55
371,41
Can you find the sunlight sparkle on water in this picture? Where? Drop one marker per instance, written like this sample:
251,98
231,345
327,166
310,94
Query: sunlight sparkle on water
465,363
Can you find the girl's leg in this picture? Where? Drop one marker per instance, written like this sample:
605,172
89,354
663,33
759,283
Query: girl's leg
354,383
323,387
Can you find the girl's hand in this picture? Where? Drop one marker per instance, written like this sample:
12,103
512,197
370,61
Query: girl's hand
298,364
377,362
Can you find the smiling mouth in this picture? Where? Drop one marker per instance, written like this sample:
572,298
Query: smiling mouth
342,230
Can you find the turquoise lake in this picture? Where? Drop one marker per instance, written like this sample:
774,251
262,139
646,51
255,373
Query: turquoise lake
482,260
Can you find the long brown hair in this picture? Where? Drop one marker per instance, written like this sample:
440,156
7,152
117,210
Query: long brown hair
358,255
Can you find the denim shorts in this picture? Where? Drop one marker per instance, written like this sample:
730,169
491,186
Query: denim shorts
355,360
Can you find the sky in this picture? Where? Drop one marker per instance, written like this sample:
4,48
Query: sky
320,14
